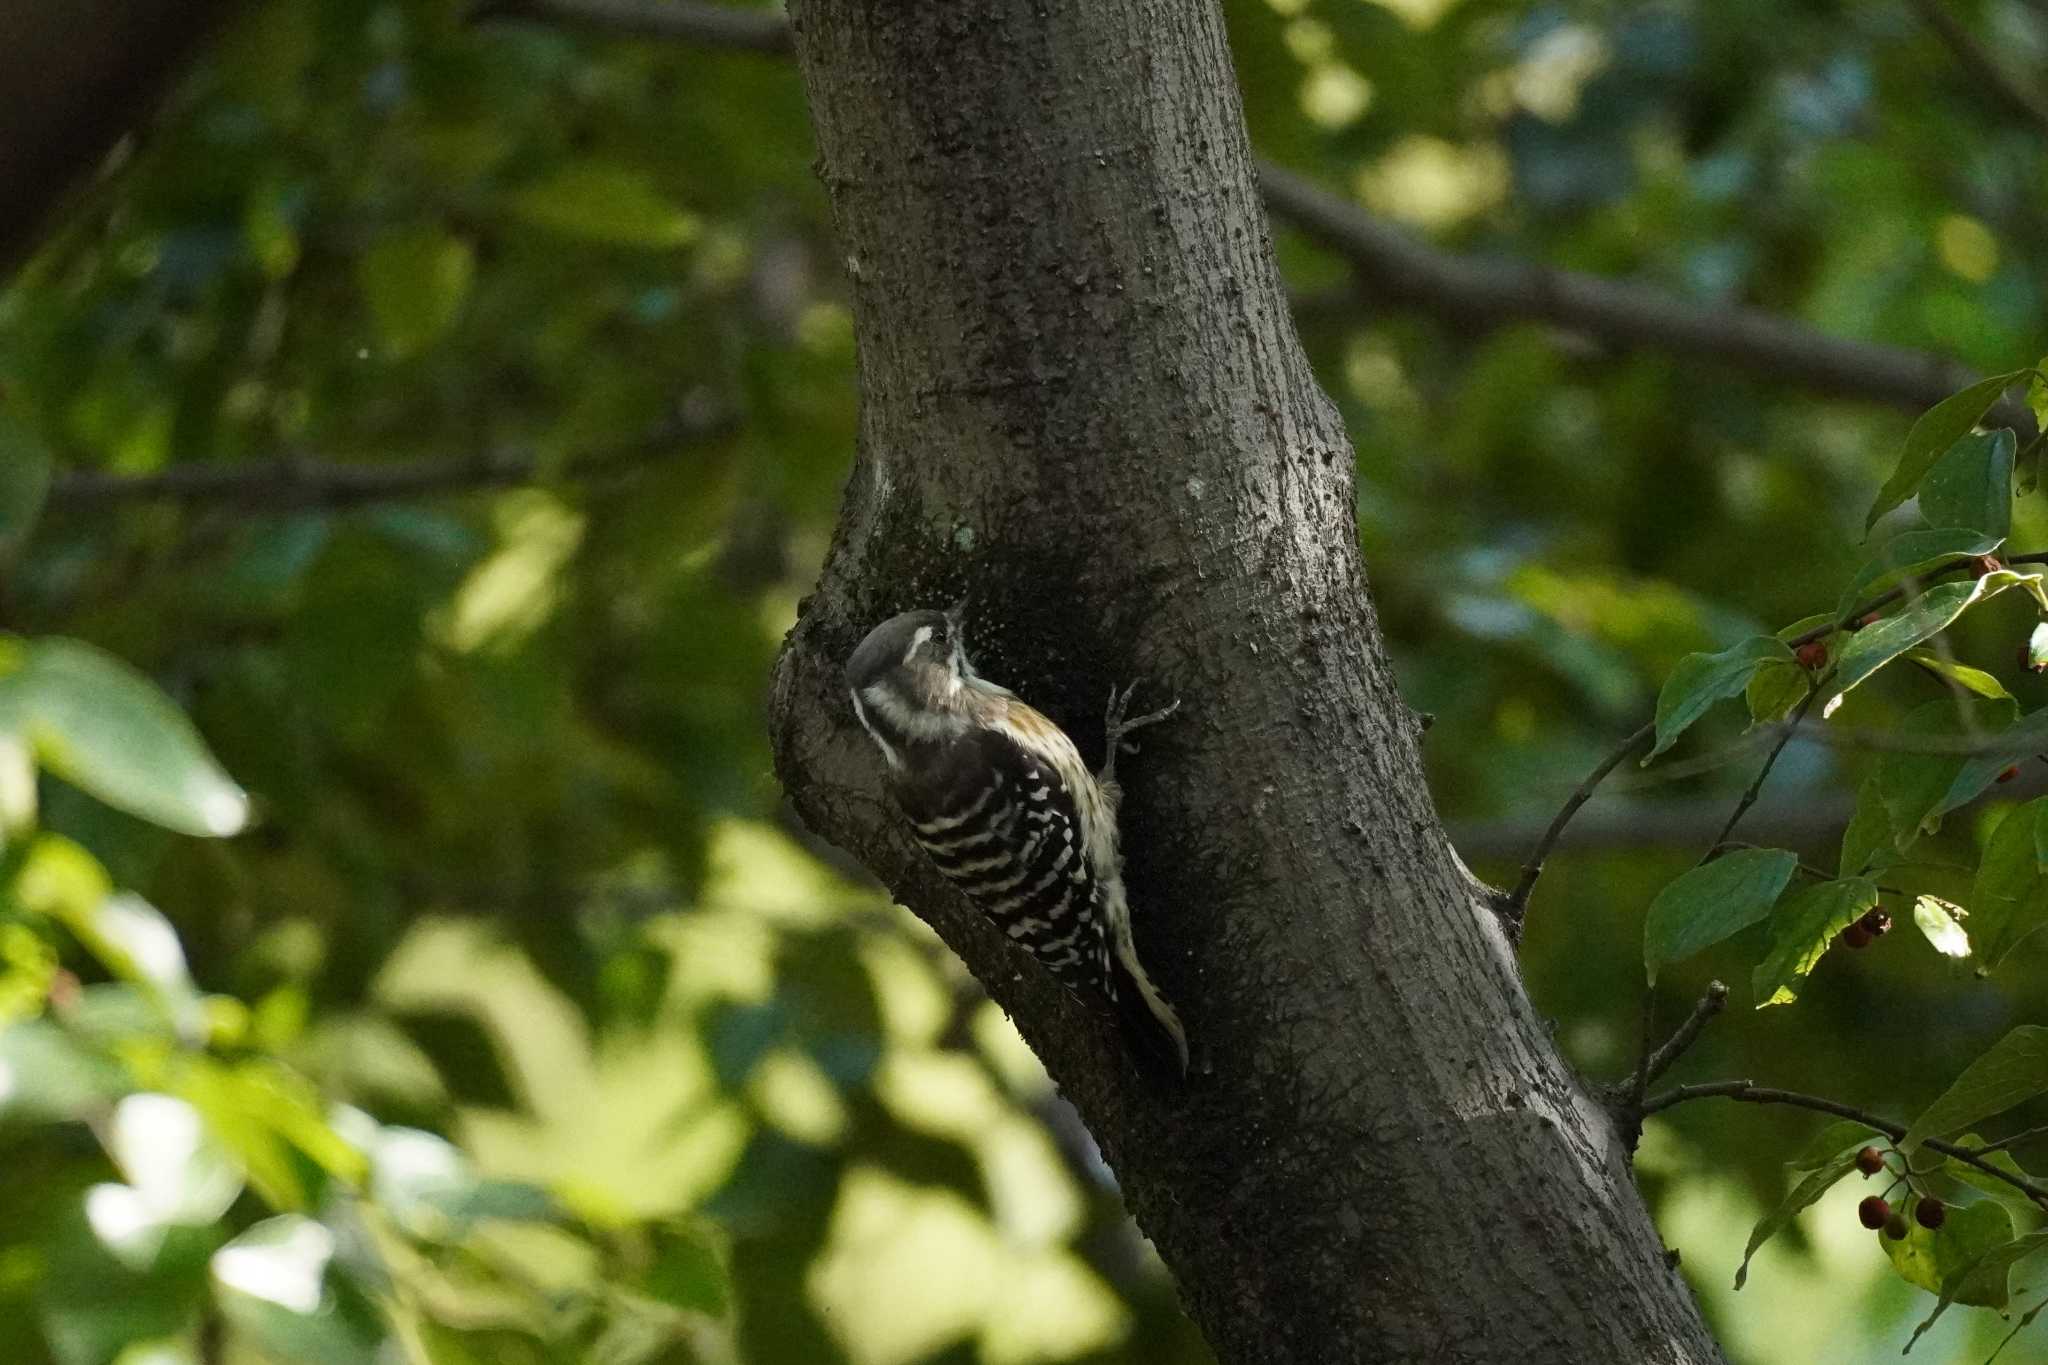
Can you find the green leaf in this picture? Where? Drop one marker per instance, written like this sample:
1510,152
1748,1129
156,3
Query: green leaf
2009,899
1713,901
1869,829
1954,1253
605,203
686,1271
1803,1196
1937,920
2013,1071
1973,680
1978,1179
1842,1138
1971,485
1700,680
1774,690
1919,621
1991,1267
1940,427
1909,556
2010,745
105,728
415,283
1918,789
1801,930
24,482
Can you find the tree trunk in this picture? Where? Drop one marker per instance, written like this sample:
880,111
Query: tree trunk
1083,403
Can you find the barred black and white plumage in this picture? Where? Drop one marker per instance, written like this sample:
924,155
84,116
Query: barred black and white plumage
998,797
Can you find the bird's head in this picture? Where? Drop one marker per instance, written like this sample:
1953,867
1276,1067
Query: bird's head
911,680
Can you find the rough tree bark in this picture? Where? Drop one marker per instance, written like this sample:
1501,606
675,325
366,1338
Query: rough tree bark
1084,403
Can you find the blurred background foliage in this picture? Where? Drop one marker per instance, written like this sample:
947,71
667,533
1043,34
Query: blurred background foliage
492,385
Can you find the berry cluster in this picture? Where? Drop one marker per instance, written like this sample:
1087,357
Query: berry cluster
1876,1211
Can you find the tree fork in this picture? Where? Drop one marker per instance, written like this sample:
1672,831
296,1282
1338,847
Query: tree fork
1083,403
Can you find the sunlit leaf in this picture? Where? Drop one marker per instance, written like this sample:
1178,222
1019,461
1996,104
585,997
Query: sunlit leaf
1916,622
1940,923
1909,557
1801,930
415,283
2013,1071
99,724
1973,680
606,203
181,1173
1700,680
1940,427
1712,901
1953,1256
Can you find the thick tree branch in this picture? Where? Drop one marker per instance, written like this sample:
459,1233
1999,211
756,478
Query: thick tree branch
285,485
1397,266
1747,1092
1976,59
74,76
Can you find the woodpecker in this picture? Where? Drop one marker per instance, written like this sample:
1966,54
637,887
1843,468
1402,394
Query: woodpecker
997,796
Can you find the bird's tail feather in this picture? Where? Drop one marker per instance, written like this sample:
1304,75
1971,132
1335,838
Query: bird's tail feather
1151,1024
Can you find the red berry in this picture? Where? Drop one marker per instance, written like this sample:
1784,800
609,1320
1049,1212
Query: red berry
1869,618
1984,564
1931,1213
1877,923
1869,1161
1873,1212
1895,1227
2010,773
1856,936
1811,655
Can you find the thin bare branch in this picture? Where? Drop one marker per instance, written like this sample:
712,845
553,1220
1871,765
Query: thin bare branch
1747,1092
1763,773
1518,900
690,21
1397,266
1711,1004
296,485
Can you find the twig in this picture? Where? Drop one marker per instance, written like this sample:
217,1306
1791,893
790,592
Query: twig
1518,899
1659,1062
1638,1082
1813,691
1396,266
2015,1140
1990,75
1748,1092
291,485
690,21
